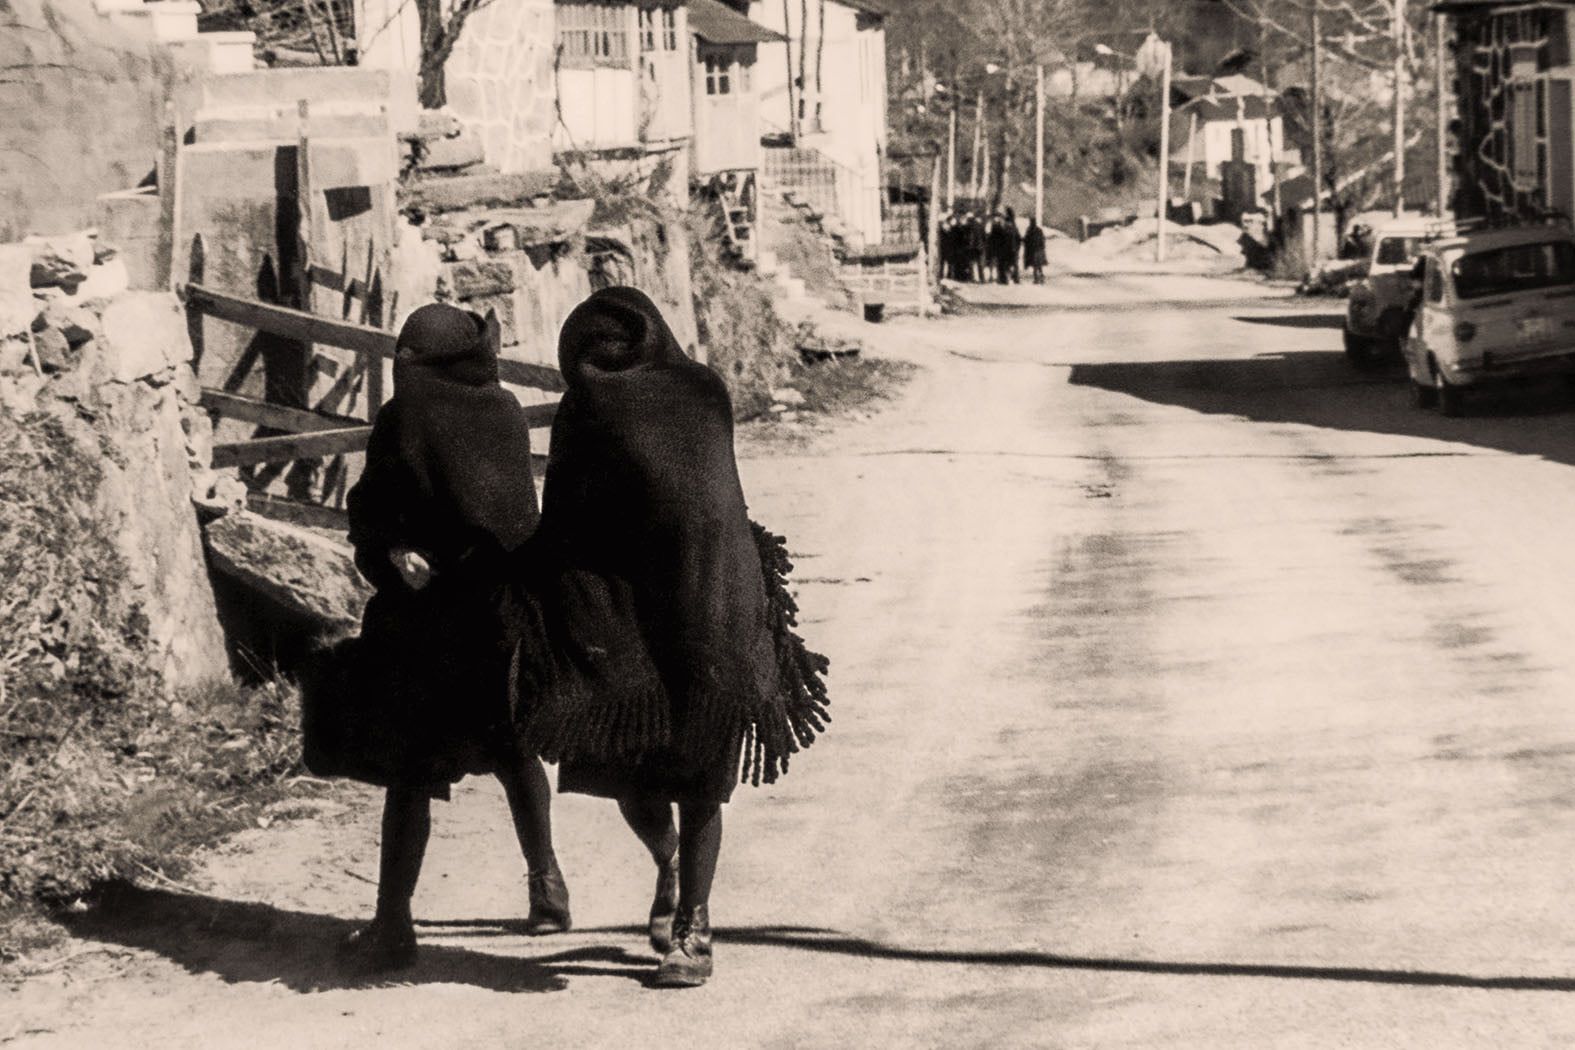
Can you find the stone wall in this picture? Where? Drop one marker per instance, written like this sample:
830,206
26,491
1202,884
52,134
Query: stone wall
99,376
499,82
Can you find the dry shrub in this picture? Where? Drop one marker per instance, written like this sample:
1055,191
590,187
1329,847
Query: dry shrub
747,342
100,772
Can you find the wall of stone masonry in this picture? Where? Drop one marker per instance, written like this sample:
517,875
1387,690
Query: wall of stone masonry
499,81
109,371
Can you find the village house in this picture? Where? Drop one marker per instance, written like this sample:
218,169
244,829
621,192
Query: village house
1223,119
537,79
822,88
726,154
1515,108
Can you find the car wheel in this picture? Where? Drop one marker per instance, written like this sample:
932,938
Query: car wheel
1359,350
1450,398
1423,395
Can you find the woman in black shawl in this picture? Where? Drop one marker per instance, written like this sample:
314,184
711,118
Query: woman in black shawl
1034,250
447,494
658,663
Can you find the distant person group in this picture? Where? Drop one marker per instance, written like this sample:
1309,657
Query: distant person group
974,248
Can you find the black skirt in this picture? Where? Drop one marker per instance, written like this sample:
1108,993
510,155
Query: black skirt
662,775
419,699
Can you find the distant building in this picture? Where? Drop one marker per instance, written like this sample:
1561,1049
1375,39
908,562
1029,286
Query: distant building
1223,119
727,121
538,77
1515,107
824,83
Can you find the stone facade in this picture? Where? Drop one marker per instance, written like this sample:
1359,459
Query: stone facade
1513,82
500,82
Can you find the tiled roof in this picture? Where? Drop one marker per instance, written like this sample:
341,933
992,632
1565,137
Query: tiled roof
716,23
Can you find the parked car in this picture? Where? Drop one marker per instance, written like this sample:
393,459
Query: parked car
1496,305
1378,311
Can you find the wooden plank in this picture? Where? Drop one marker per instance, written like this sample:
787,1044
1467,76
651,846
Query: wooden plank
347,335
297,512
289,323
251,410
291,447
521,373
541,415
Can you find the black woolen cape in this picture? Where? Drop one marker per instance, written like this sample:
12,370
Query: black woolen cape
421,697
657,645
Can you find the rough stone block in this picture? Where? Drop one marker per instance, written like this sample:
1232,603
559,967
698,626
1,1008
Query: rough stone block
13,355
458,151
480,278
129,221
307,573
61,262
17,305
54,353
484,190
105,282
144,335
69,316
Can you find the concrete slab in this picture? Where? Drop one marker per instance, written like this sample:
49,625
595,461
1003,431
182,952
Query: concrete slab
321,86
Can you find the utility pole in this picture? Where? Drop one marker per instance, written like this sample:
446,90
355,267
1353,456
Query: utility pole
1163,204
1398,30
978,145
1440,56
951,157
1039,145
1317,129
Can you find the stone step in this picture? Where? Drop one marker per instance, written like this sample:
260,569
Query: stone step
282,123
335,86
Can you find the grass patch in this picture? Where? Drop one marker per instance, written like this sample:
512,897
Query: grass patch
843,385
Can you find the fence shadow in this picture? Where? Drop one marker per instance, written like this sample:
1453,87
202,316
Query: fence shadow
1319,388
245,942
799,938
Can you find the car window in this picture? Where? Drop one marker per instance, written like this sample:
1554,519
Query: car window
1397,251
1435,283
1515,269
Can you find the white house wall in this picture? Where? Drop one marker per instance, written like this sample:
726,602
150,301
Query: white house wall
851,93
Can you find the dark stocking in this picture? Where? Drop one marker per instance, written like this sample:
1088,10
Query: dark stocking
652,822
407,824
700,843
530,804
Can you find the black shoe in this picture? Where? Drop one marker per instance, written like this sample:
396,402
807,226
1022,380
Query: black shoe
664,906
687,963
379,947
549,903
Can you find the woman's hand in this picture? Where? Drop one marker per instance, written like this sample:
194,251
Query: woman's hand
413,567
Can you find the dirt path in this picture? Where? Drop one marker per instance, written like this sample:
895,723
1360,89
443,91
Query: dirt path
1189,692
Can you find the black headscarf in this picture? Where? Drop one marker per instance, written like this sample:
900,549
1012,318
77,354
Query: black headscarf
662,617
464,437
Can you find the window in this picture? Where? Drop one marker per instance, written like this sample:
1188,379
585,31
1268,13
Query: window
658,30
1435,283
1397,251
593,35
1516,269
1523,121
718,79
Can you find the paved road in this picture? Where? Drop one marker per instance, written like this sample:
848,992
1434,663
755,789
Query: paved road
1191,691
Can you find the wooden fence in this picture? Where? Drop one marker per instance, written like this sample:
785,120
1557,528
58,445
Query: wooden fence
309,434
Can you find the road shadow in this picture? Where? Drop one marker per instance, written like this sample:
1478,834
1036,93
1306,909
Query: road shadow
1335,321
245,942
1319,388
814,939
